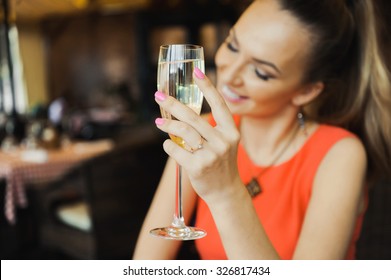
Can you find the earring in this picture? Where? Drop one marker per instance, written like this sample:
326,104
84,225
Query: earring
301,120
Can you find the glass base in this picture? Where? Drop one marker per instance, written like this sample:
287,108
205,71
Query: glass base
178,233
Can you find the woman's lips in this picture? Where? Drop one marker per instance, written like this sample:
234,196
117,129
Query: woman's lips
232,96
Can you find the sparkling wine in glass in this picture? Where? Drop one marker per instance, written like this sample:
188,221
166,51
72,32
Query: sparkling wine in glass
175,78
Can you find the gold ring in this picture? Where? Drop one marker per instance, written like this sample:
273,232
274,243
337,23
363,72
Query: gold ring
199,147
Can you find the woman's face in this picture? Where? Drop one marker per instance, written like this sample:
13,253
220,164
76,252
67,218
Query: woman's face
260,66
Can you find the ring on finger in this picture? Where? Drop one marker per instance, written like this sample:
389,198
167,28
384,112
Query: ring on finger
200,145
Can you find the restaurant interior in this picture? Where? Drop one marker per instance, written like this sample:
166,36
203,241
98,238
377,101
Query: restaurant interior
80,154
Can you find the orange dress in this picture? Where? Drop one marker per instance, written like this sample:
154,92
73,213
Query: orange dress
282,204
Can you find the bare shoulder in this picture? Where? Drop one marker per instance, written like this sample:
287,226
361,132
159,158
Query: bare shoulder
344,164
349,150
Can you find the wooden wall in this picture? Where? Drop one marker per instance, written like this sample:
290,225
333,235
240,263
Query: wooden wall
89,56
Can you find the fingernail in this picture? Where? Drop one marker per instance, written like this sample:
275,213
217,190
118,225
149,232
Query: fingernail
160,96
159,121
198,73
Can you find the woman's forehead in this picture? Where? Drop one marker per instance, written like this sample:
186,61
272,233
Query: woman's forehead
266,30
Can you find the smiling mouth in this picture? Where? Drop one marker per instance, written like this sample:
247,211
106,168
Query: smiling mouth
232,96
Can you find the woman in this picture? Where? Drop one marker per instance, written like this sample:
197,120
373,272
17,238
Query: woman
310,98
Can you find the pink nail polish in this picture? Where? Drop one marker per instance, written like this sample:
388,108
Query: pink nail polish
159,121
198,73
160,96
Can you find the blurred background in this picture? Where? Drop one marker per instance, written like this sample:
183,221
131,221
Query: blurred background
101,55
80,157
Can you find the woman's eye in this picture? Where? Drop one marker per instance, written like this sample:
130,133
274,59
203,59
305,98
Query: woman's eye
231,47
262,76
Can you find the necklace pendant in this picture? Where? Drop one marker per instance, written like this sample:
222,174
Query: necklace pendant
253,187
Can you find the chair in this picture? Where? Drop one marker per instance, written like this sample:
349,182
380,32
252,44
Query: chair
112,192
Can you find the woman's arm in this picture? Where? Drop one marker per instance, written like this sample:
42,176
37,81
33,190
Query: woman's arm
161,213
336,201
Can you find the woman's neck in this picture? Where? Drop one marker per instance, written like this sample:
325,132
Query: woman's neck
264,139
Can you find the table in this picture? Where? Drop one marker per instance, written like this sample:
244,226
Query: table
20,168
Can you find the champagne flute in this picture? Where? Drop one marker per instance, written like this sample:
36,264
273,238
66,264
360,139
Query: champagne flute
175,78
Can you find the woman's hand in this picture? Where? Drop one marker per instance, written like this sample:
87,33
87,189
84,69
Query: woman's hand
212,169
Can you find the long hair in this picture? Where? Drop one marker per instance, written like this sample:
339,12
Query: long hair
346,56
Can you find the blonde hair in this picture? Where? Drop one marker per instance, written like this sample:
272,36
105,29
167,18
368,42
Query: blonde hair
346,55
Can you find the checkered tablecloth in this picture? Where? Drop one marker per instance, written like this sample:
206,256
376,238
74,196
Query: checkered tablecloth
19,171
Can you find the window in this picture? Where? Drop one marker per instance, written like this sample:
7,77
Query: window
6,100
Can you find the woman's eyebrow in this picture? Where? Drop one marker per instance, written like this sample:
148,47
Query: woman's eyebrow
260,61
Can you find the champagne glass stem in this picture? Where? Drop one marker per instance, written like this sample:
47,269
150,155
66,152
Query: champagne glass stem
178,215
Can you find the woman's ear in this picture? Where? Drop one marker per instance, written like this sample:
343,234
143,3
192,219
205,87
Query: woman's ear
309,93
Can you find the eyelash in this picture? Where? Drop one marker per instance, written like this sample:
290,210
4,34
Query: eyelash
259,75
262,76
231,47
